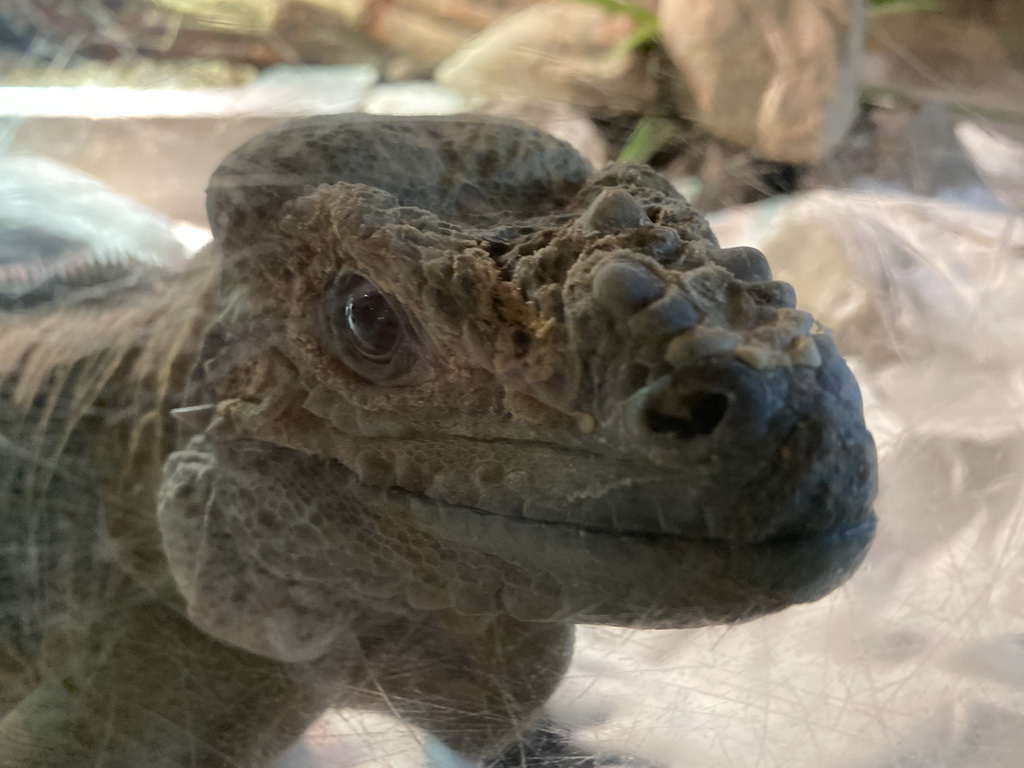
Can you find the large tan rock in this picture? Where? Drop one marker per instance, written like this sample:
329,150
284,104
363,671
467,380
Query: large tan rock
558,51
243,16
780,77
560,120
427,31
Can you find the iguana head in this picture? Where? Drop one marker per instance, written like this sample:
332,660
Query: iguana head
454,368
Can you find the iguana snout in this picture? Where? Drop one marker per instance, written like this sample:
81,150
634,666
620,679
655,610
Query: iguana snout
747,455
719,410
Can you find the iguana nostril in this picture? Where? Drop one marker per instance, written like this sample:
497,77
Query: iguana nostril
686,414
723,397
614,210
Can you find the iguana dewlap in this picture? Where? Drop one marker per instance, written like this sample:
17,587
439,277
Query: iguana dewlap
450,392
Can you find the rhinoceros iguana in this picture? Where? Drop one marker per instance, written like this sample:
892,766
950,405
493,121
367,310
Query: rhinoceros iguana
436,392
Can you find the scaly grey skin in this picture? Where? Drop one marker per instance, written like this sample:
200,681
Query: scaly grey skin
452,393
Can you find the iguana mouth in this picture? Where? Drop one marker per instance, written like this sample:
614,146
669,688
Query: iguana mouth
649,552
467,524
652,580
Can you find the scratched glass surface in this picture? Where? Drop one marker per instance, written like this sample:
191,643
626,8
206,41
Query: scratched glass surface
391,441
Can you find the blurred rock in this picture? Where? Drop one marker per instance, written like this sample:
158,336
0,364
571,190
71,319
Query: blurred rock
913,149
779,77
67,32
560,120
349,11
920,151
557,51
970,53
422,98
325,32
140,73
244,16
420,34
406,37
424,31
732,175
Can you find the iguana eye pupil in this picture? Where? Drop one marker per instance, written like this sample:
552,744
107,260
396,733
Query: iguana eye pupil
370,319
366,328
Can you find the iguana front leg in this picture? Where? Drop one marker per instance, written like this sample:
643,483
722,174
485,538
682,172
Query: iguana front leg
474,684
163,694
474,681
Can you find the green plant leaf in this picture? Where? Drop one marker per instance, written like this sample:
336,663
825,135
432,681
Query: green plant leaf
645,32
635,12
646,24
885,7
649,135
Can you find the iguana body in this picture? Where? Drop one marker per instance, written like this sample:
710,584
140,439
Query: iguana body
460,396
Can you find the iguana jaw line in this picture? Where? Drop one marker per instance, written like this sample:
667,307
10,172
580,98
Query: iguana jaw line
459,521
658,580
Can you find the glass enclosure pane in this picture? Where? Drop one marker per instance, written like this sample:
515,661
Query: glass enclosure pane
511,383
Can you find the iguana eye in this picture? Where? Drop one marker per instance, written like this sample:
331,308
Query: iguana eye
367,316
365,326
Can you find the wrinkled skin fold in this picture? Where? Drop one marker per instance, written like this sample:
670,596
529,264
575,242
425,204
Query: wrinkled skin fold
448,393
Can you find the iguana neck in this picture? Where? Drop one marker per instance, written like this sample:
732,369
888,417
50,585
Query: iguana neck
143,333
117,366
170,326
